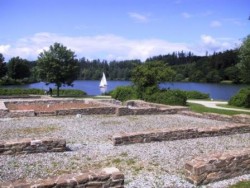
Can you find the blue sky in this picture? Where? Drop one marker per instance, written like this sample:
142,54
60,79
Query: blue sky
122,29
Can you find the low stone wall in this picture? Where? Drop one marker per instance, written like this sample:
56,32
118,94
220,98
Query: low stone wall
87,111
218,166
28,145
141,103
139,107
107,177
178,134
240,118
52,101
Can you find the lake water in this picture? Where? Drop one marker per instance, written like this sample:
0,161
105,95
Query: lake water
216,91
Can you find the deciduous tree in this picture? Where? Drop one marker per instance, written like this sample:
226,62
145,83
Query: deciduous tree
244,56
18,68
58,65
147,77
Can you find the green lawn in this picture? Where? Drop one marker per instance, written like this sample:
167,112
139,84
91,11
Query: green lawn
241,184
201,109
230,106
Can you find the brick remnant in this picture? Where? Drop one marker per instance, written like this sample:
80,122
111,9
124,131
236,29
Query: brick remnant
29,145
218,166
178,134
107,177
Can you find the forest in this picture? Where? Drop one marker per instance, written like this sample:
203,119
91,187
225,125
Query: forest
214,68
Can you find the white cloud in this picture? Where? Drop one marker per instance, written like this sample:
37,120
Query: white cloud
138,17
4,48
208,40
211,44
110,47
186,15
101,46
215,23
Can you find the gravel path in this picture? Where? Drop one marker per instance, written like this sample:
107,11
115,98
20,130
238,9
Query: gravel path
158,164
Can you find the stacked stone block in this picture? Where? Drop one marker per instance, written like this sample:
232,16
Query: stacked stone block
178,134
218,166
28,145
100,107
105,178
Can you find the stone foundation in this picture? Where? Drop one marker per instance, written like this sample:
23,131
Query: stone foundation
87,111
178,134
139,107
107,177
104,107
27,145
240,118
218,166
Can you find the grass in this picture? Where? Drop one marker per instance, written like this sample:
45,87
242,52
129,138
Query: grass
201,109
230,106
241,184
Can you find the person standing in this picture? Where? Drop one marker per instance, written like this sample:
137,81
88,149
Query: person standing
50,91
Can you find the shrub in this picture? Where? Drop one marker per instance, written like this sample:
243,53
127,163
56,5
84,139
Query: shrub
196,95
70,92
124,93
241,99
170,97
20,91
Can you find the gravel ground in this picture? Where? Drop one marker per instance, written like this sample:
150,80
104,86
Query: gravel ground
158,164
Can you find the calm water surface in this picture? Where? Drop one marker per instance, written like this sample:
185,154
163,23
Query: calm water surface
216,91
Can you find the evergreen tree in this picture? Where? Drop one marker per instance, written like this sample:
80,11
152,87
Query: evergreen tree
3,66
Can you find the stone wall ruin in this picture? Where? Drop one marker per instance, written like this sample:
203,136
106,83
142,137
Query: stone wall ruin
107,177
218,166
178,134
28,145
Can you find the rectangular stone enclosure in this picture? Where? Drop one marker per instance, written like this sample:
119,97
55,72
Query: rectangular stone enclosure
85,107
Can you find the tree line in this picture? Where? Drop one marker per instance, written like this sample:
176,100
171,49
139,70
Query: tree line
210,68
18,70
215,68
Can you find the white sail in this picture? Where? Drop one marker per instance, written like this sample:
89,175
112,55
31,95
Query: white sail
103,82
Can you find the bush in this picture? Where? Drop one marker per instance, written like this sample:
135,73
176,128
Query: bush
70,92
241,99
20,91
124,93
196,95
170,97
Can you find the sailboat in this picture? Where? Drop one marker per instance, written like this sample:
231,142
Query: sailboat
103,82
